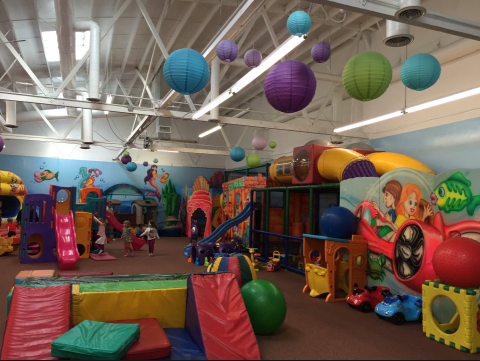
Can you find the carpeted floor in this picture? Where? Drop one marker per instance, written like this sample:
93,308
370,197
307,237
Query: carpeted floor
313,330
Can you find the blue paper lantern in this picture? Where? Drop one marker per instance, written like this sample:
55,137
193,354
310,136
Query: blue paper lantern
131,167
420,72
237,154
299,23
155,161
186,71
227,51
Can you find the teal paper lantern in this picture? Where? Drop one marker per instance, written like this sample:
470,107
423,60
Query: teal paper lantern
155,161
131,167
367,76
186,71
254,161
420,72
237,154
299,23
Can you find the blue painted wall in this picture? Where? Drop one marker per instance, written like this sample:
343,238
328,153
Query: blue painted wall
107,174
442,148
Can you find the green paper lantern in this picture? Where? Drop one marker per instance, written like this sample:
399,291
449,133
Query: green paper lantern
367,76
126,154
254,161
273,145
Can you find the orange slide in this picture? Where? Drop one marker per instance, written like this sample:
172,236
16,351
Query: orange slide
138,243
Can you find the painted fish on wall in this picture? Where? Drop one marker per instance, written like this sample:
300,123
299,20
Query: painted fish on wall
454,195
46,175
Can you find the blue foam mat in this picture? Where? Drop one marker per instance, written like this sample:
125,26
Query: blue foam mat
183,348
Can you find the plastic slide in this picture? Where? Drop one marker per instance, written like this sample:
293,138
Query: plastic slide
223,228
37,317
138,243
338,164
386,162
67,251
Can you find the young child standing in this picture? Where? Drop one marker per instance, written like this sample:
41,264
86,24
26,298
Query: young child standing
127,238
12,228
100,243
152,235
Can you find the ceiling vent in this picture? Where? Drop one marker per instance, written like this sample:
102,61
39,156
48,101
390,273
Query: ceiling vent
398,35
336,139
410,10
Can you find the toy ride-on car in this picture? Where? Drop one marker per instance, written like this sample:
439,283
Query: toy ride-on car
400,309
367,298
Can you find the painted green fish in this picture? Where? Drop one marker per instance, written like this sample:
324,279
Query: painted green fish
454,195
45,176
375,267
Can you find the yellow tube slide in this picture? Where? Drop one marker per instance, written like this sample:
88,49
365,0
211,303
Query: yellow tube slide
281,171
332,163
386,162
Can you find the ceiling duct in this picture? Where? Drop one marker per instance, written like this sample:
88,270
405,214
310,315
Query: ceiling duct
410,10
398,34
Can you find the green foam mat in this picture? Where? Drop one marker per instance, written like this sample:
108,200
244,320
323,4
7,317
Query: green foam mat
133,286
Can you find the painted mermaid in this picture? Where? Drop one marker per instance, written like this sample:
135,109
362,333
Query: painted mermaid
152,175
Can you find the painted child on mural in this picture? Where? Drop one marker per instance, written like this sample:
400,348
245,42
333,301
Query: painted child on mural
391,197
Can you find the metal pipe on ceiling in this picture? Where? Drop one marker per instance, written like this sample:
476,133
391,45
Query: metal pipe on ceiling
11,119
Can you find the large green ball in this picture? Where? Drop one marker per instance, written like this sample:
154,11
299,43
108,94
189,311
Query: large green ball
254,160
266,306
367,76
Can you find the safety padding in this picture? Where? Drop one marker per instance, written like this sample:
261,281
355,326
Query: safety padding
37,317
217,319
163,300
96,341
91,274
153,343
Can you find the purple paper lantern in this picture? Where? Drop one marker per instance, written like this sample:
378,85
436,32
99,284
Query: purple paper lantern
321,52
227,51
126,159
2,144
259,142
145,164
290,86
253,58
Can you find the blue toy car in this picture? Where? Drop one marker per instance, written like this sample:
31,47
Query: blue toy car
400,309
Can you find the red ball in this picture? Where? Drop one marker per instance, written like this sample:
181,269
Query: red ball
457,262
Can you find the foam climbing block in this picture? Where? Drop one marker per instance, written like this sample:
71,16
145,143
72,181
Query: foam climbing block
91,274
103,257
21,276
153,343
104,302
217,319
96,341
37,317
183,347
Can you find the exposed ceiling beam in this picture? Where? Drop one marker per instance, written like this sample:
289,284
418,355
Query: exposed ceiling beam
431,20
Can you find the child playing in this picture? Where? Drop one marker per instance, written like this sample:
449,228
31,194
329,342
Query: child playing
127,238
152,234
100,243
12,228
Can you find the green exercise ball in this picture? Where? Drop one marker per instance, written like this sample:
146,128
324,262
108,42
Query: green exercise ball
254,160
266,306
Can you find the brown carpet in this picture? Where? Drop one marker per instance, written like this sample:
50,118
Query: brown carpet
313,330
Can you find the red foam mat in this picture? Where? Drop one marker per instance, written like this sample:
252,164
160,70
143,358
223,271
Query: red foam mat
103,257
38,316
226,329
91,274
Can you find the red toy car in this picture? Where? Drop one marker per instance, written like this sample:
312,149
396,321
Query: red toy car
367,298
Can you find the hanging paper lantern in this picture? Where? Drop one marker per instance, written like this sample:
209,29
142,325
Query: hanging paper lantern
273,145
131,167
253,58
299,23
126,154
420,72
155,161
237,154
367,76
259,142
227,51
254,161
2,144
145,164
290,86
321,52
126,159
186,71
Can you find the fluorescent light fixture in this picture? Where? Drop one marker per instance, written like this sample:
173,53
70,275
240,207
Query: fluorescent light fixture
50,43
449,99
56,112
208,132
215,103
167,151
283,50
109,101
370,121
